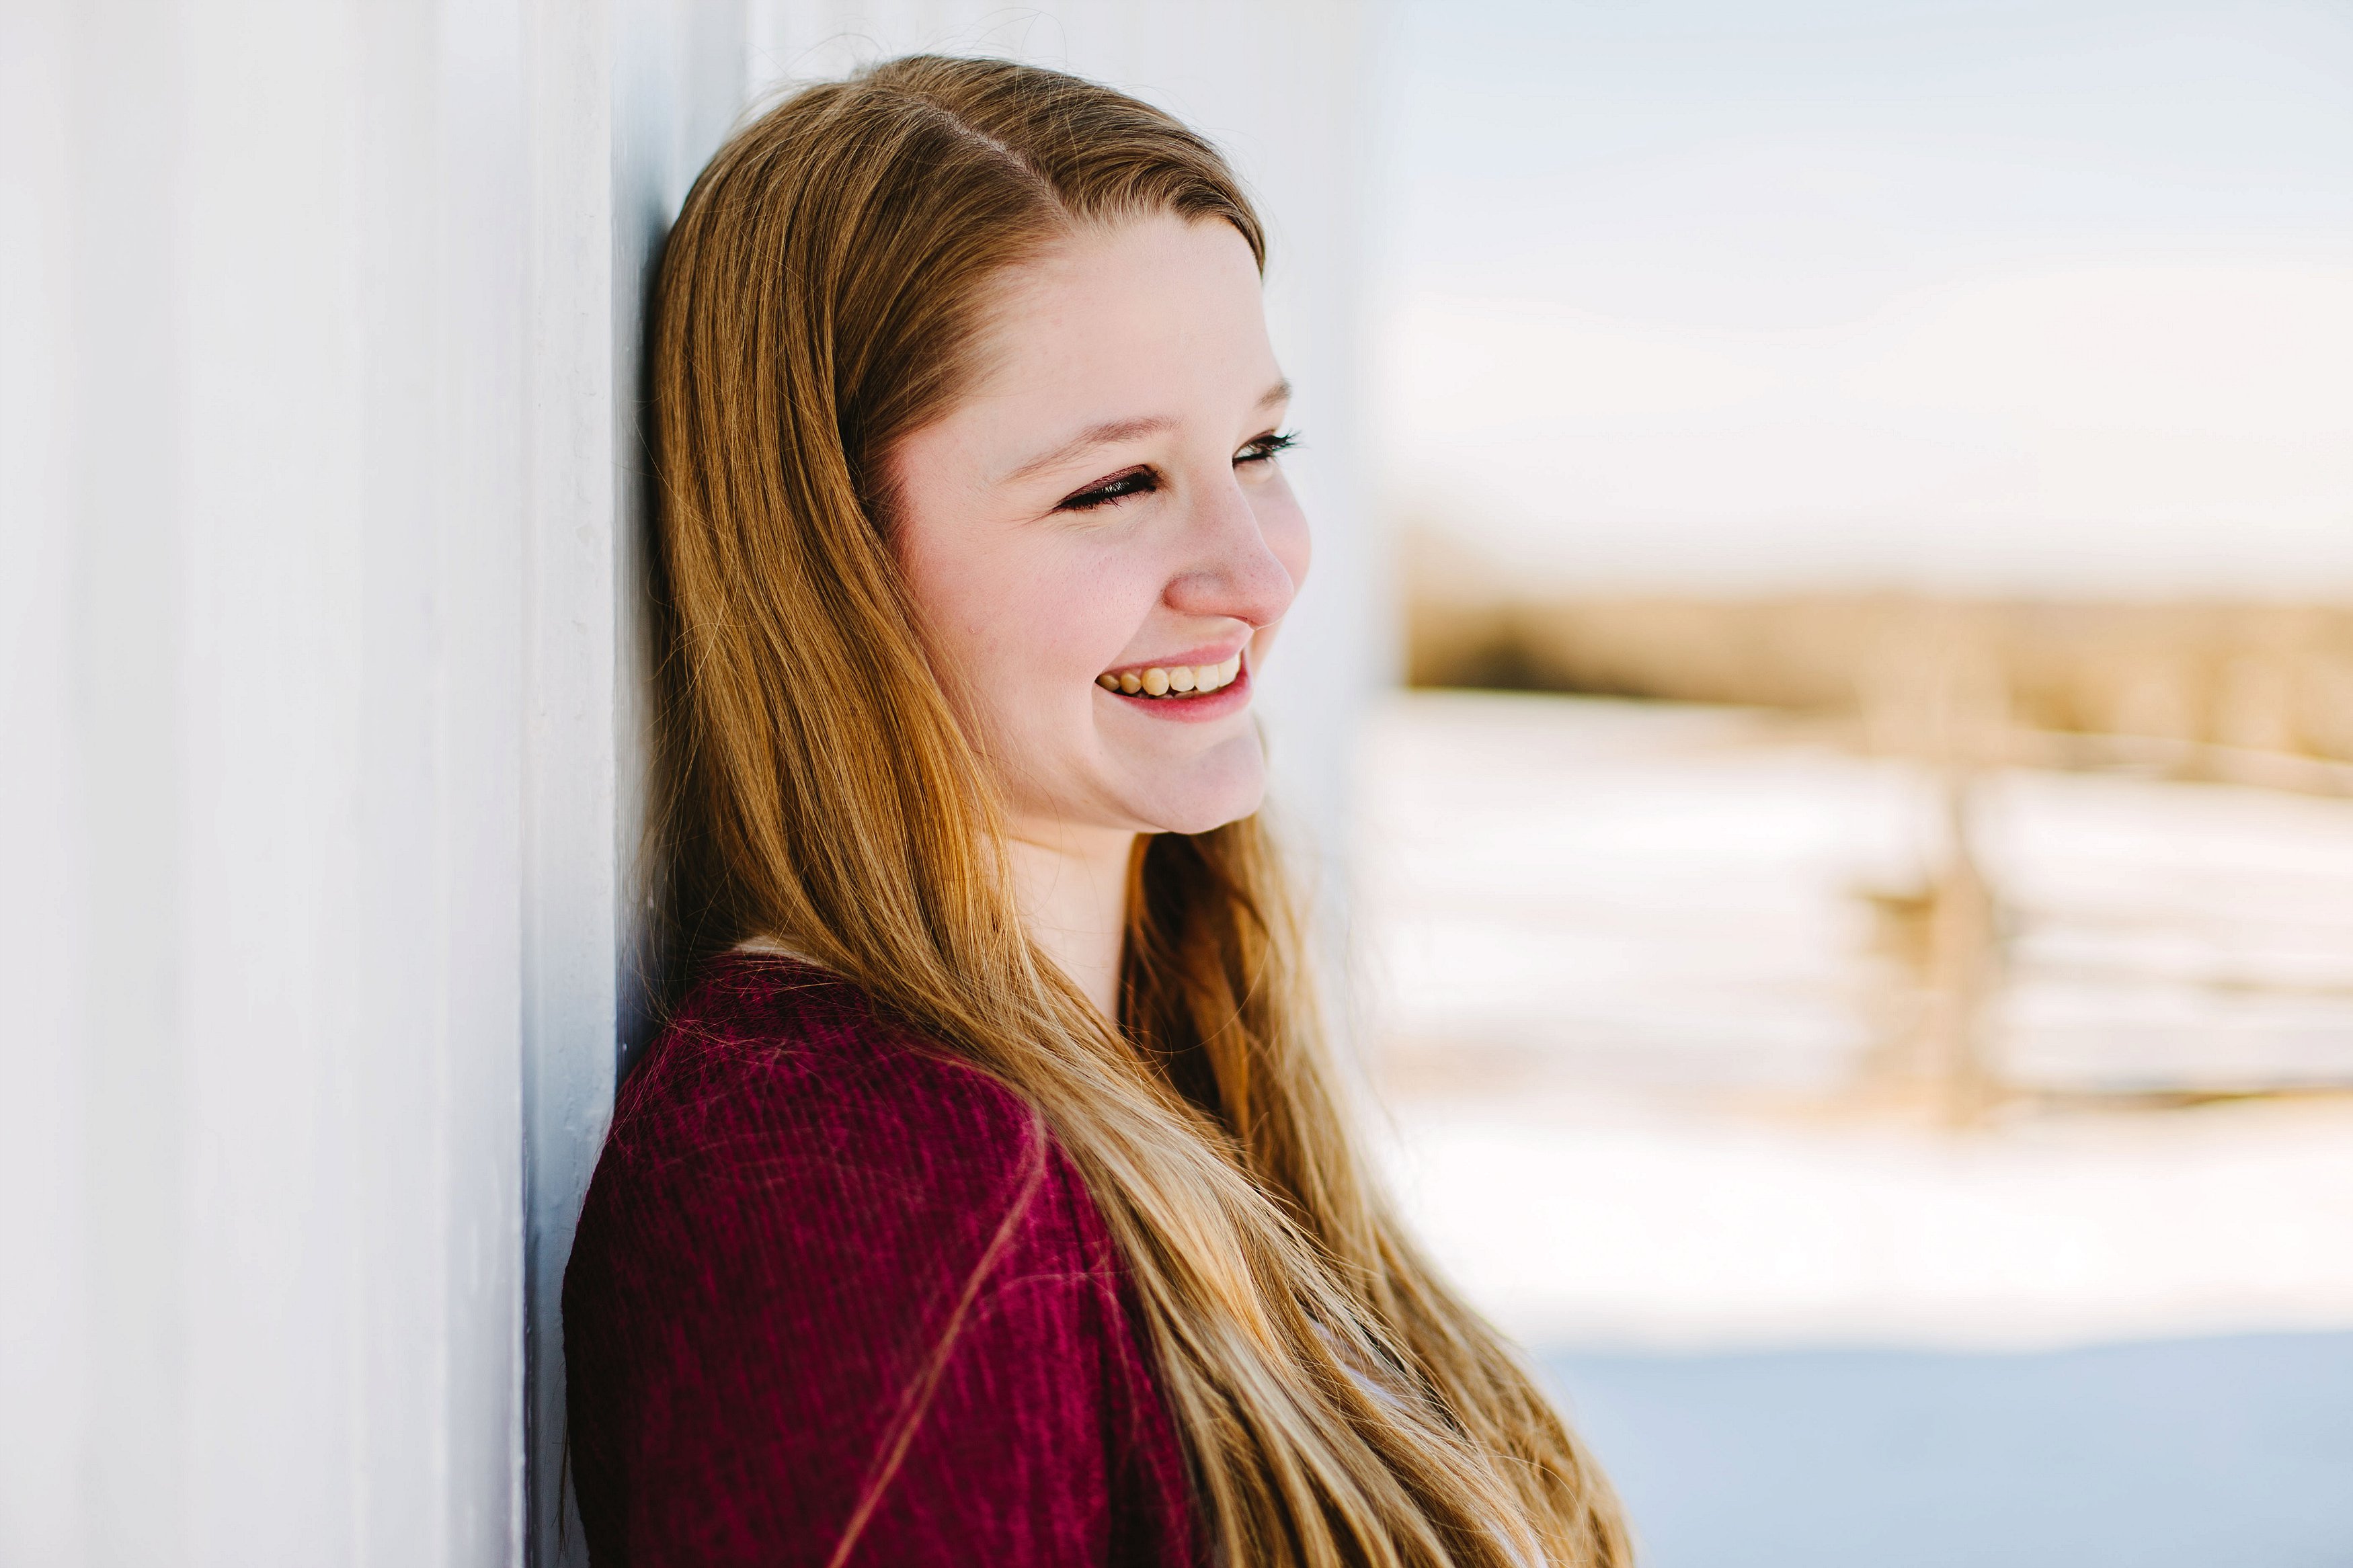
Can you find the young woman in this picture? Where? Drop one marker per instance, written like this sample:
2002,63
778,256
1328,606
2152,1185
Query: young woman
987,1199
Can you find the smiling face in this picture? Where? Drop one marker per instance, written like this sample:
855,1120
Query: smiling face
1099,537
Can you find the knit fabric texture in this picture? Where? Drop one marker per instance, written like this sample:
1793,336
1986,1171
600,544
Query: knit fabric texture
831,1284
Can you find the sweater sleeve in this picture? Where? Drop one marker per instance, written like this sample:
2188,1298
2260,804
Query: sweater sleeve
835,1289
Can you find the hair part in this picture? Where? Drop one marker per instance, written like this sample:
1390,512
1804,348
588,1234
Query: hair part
825,292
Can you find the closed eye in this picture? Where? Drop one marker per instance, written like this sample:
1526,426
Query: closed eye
1267,447
1134,482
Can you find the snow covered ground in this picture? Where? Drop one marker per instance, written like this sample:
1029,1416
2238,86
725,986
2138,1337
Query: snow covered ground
1624,982
1633,1225
1626,986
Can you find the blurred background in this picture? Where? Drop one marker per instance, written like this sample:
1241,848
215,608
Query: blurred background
1856,899
1825,704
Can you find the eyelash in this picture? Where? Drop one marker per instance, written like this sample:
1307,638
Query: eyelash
1144,481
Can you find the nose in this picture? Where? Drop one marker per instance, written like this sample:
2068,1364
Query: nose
1230,567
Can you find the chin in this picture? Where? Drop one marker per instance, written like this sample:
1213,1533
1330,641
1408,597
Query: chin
1208,792
1207,818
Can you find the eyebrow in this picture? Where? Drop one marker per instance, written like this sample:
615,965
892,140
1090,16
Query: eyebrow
1113,430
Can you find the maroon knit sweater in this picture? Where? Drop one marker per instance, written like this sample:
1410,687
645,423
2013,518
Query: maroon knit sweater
825,1271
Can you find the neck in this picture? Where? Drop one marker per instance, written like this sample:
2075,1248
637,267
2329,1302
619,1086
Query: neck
1071,885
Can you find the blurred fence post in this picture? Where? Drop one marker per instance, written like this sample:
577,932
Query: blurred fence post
1934,690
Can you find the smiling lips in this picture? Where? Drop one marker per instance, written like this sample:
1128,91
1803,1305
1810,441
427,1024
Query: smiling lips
1174,680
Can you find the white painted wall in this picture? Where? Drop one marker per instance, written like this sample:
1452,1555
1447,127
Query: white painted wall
322,702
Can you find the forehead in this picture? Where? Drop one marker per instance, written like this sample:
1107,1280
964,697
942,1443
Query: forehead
1134,318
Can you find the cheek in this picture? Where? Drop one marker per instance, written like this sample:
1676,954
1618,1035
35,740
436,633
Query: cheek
1088,607
970,614
1023,622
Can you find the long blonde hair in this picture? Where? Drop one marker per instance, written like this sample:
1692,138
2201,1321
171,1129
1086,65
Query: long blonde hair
822,295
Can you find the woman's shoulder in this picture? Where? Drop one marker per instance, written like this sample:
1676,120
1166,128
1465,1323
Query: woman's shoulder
787,1139
786,1129
809,1221
770,1059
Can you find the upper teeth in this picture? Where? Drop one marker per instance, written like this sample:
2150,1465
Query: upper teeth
1159,681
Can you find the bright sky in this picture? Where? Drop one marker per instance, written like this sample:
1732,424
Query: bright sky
2051,297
